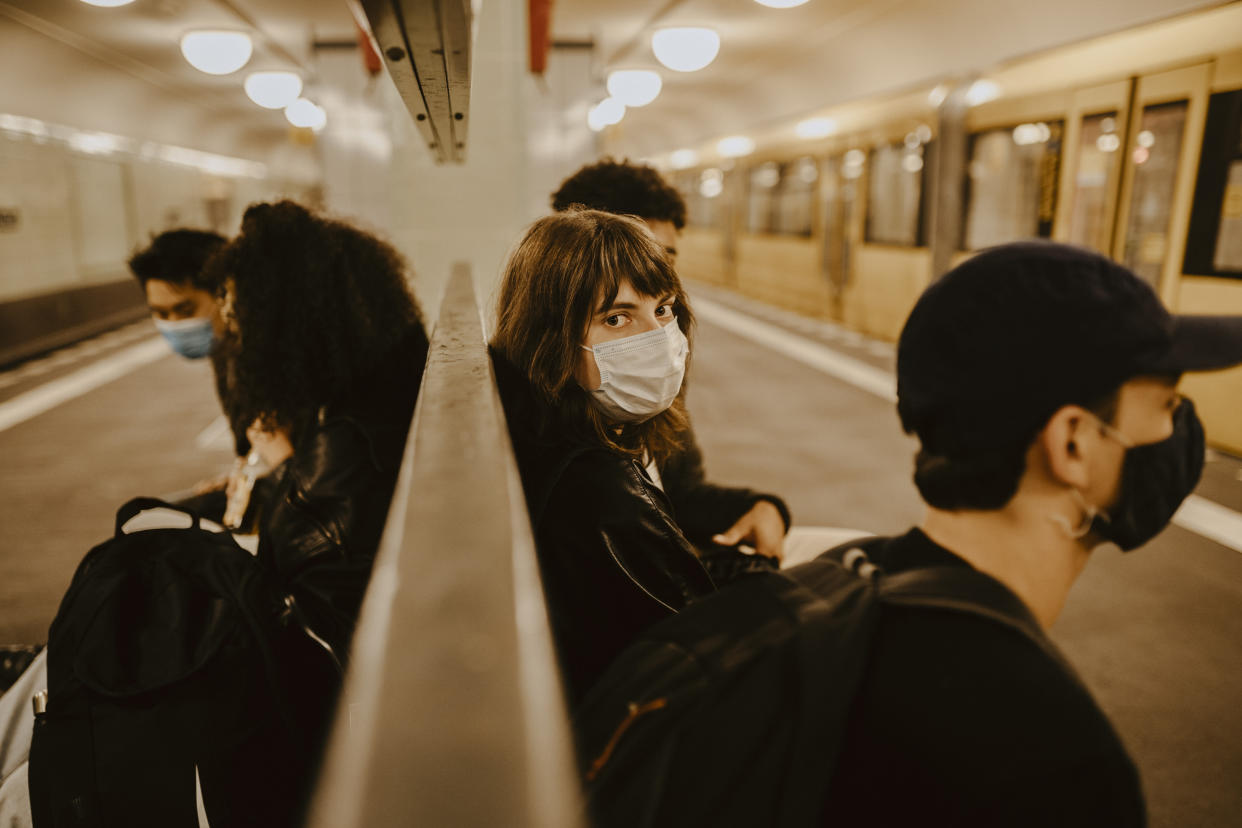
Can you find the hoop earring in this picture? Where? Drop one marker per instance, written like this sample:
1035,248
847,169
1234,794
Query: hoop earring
1089,514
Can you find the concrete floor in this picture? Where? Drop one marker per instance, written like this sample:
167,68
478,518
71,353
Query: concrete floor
1157,634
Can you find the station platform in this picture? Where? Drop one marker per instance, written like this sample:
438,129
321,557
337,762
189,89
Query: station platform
780,403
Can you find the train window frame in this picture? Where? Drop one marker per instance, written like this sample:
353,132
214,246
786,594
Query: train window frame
1220,149
921,213
1049,179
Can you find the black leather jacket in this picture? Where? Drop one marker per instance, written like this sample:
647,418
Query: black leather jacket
612,556
321,529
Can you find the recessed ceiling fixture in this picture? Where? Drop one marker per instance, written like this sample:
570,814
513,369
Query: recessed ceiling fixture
107,4
683,159
217,52
634,87
982,91
780,4
735,146
685,48
304,113
273,90
816,128
605,113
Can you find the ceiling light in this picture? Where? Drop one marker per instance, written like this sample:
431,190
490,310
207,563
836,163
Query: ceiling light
982,91
304,113
634,87
683,159
217,52
605,113
685,48
273,90
735,146
611,111
816,128
780,4
107,4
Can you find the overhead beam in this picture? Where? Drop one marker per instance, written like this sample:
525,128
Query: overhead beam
426,45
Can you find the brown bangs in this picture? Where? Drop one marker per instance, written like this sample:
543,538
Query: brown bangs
567,267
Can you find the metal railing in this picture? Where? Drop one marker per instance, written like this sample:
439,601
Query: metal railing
452,712
426,45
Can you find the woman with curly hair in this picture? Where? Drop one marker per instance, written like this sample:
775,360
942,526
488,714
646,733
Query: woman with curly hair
591,345
324,348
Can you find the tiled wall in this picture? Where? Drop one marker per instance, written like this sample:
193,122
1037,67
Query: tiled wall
71,218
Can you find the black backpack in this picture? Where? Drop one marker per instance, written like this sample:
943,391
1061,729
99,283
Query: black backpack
173,654
732,712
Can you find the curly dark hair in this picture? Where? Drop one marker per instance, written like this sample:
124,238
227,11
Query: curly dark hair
624,188
309,305
178,257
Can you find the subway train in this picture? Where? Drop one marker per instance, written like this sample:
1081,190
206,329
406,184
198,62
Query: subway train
835,160
1127,144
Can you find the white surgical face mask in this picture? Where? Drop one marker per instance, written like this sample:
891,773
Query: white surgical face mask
640,375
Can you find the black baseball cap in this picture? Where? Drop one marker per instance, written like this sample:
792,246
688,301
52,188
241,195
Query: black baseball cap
1003,340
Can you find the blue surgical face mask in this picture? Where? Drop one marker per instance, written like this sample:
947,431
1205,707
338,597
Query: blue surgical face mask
192,338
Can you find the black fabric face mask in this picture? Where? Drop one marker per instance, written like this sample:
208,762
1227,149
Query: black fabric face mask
1155,479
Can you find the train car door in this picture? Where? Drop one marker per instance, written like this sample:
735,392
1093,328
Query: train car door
1096,127
1160,157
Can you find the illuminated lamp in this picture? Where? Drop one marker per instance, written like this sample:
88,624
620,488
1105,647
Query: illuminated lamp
304,113
816,128
605,113
780,4
273,90
634,87
107,4
982,91
735,146
217,52
683,159
685,48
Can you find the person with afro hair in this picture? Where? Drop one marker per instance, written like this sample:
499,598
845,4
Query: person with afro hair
629,190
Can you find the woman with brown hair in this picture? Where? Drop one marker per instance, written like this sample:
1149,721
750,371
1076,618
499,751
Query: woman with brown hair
591,345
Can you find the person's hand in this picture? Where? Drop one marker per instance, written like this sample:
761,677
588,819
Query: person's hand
273,446
762,527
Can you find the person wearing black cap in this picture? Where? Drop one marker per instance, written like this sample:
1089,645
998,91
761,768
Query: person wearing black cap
1041,383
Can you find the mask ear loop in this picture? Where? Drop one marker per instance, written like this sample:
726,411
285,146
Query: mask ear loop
1089,514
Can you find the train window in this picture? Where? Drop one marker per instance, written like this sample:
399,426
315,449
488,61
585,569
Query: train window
1157,148
1214,241
765,181
781,197
1099,165
702,189
1012,183
895,193
795,202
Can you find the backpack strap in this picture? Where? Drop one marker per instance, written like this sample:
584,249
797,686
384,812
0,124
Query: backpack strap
964,589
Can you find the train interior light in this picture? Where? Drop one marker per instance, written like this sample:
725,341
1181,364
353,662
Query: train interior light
217,52
307,114
683,159
735,146
685,48
816,128
781,4
634,87
107,4
273,90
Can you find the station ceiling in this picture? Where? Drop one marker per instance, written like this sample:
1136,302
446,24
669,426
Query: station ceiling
779,64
